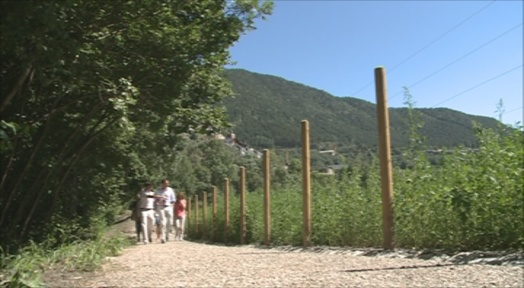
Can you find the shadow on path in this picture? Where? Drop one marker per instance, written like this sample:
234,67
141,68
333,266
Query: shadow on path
397,268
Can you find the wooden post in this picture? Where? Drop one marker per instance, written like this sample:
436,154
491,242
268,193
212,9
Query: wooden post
385,158
196,213
214,212
226,210
188,213
267,203
242,205
204,213
306,185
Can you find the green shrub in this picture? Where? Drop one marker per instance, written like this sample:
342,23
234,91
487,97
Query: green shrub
26,267
471,200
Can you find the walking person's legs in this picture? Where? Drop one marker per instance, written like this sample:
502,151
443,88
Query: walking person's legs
168,215
138,228
180,223
150,223
163,222
158,231
144,216
158,226
177,228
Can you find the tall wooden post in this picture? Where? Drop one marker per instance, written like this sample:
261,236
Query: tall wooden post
214,212
242,205
306,185
267,202
196,214
204,214
385,158
226,209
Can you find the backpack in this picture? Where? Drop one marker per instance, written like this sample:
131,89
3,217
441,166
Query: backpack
133,209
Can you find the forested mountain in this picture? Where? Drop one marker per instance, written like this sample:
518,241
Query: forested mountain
266,111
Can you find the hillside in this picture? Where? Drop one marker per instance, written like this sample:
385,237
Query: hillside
267,110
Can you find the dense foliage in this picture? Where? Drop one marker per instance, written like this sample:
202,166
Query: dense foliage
94,96
474,200
203,162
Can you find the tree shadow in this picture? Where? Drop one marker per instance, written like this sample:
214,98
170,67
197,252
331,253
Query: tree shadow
398,268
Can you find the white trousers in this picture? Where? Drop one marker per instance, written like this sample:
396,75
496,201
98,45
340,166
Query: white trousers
180,223
148,218
166,220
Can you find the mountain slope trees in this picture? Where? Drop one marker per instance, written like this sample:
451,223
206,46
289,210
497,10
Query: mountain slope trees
266,112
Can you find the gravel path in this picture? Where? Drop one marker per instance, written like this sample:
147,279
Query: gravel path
189,264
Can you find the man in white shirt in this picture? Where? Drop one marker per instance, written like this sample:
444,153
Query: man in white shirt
165,197
146,202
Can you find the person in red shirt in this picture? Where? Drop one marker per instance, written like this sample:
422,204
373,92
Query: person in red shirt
180,216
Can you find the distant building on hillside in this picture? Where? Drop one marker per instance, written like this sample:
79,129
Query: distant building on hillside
326,171
330,152
331,169
219,136
337,167
232,141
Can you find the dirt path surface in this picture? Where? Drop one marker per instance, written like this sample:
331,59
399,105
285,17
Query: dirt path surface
188,264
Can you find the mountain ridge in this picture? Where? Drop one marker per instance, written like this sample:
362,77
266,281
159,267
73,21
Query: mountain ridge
266,112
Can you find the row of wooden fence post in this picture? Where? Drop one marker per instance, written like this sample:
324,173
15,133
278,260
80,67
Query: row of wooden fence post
385,173
306,189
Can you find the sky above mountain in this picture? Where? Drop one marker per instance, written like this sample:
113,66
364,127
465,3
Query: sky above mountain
463,55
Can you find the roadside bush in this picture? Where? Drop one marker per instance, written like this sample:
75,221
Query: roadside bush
471,200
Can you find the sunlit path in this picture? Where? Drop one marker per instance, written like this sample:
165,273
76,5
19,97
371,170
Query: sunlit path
188,264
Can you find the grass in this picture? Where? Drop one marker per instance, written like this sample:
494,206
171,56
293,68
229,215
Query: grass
25,269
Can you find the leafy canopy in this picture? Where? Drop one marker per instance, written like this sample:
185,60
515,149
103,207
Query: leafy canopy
93,96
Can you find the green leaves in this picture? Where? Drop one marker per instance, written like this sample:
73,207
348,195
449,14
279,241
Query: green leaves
104,82
7,131
471,202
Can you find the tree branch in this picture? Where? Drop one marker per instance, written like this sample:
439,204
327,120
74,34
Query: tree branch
18,86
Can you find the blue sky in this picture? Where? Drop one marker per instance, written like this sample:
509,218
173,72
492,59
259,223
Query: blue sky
463,55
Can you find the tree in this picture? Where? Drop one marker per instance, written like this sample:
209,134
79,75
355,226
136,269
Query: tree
94,94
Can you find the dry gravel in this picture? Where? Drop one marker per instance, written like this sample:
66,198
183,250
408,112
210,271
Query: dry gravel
189,264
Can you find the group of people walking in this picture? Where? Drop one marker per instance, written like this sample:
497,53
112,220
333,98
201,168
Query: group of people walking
169,209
